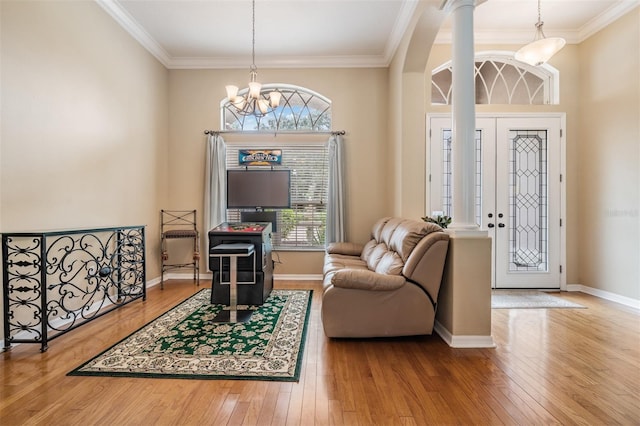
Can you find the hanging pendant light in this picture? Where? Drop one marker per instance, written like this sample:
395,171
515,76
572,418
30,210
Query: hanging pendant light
253,102
541,49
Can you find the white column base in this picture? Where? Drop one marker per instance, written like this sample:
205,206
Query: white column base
463,341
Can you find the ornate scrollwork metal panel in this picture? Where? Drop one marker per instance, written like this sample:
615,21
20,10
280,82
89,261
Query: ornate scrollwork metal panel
56,281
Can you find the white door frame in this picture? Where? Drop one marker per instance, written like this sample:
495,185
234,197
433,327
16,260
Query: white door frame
434,167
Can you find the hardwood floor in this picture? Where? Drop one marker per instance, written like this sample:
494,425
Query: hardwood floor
555,366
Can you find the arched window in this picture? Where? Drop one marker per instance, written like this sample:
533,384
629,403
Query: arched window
300,109
302,226
500,79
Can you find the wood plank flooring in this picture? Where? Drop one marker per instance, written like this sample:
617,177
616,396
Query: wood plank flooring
551,366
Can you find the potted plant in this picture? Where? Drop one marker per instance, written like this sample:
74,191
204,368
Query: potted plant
442,220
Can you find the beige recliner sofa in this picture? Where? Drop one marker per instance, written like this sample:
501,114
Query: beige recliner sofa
387,287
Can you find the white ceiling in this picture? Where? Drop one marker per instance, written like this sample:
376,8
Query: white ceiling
327,33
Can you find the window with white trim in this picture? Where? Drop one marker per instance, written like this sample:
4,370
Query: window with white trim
302,227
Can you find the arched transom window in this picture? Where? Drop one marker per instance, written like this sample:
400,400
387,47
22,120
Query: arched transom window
299,109
500,79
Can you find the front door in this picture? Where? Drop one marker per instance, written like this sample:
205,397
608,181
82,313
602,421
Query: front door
518,193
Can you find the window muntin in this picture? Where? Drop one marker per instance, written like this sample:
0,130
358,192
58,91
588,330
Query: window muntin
500,79
299,109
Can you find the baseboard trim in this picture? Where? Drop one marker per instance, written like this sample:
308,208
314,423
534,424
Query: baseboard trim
153,282
607,295
209,275
179,276
298,277
465,341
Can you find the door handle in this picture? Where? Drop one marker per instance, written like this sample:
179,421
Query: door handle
491,225
501,225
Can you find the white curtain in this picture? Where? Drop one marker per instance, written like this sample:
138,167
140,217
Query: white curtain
335,231
215,192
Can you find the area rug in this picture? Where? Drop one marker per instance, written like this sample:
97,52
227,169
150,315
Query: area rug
527,299
184,343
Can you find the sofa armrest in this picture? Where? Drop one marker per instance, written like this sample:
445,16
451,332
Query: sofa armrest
350,249
366,280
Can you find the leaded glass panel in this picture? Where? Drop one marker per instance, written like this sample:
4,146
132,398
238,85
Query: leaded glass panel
447,174
528,205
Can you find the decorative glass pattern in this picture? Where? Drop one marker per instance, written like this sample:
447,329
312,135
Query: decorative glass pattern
447,174
528,200
498,81
299,109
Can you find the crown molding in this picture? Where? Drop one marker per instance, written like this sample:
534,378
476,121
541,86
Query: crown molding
610,15
122,17
372,61
407,10
509,37
526,35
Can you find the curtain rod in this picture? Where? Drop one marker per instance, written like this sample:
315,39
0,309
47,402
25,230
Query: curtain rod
240,132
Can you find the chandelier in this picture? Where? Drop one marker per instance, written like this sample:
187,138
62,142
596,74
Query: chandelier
541,49
253,102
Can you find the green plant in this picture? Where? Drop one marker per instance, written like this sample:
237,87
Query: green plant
288,222
443,221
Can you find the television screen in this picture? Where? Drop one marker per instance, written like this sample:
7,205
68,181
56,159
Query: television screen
252,189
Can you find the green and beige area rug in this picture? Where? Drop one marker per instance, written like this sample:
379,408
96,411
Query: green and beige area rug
528,299
184,343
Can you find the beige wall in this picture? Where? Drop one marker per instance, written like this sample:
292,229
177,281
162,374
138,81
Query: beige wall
608,160
359,106
84,122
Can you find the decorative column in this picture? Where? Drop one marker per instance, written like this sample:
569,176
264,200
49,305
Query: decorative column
463,116
464,303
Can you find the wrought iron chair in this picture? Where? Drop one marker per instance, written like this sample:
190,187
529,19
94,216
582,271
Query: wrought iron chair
179,224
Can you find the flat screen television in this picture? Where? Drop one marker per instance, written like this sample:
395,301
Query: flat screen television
258,189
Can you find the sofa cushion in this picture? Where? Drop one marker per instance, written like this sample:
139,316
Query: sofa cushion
375,256
335,262
351,249
367,249
407,234
376,230
390,264
366,280
389,229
